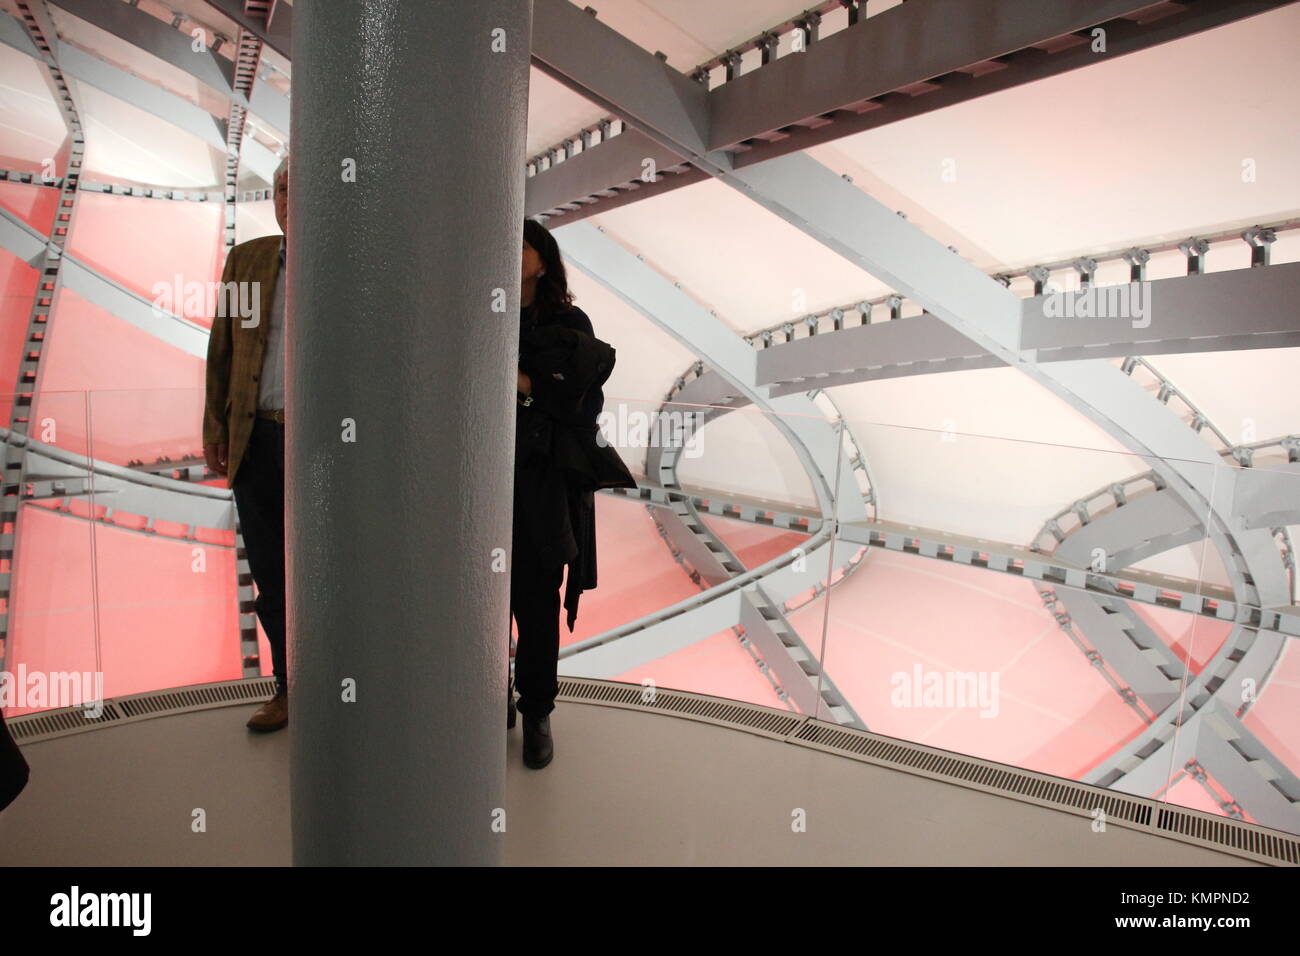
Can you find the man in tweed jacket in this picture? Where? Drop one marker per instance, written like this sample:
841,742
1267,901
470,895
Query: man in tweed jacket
243,425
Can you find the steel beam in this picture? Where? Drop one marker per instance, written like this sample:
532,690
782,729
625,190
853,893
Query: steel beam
142,94
603,66
153,36
650,638
1260,783
618,161
1149,667
146,32
258,158
56,473
39,27
23,241
276,30
862,230
1238,309
896,65
266,102
763,613
1146,525
1268,497
911,43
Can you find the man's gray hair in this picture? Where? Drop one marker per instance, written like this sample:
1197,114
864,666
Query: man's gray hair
281,170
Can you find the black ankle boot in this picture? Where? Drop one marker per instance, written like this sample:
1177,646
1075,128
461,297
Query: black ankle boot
510,704
538,746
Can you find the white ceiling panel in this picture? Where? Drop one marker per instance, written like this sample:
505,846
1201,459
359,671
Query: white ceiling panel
124,144
31,126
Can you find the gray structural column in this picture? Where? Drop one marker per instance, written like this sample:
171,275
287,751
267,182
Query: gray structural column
402,338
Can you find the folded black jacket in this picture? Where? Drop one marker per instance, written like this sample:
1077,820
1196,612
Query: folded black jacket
559,460
13,767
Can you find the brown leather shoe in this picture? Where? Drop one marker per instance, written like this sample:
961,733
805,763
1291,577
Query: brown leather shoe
272,715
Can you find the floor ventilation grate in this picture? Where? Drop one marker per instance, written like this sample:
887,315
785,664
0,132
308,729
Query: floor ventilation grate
29,728
1188,826
56,723
728,713
1140,813
997,778
1224,832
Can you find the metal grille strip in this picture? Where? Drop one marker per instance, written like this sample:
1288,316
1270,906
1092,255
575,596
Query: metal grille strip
1236,837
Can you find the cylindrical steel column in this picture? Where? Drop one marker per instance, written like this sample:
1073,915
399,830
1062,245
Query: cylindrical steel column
405,222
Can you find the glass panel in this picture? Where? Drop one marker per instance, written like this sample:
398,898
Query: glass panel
51,648
703,568
1081,612
166,570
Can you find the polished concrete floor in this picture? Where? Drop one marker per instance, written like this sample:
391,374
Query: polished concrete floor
625,788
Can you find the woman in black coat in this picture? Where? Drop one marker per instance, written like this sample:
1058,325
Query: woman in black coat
559,464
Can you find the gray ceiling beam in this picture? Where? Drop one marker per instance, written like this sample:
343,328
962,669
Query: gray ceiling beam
1219,311
148,530
114,298
159,39
854,225
1128,528
269,104
1146,525
667,108
169,193
1161,514
653,637
57,472
1143,587
41,27
1149,667
604,66
780,647
911,43
1240,309
696,617
256,157
891,52
683,318
276,32
780,515
20,239
843,218
1260,782
148,33
142,94
620,160
781,584
1268,497
917,345
13,34
930,42
891,67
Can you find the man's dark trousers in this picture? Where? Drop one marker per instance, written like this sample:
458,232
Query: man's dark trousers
535,604
259,496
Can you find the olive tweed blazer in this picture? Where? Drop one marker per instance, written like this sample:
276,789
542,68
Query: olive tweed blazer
235,351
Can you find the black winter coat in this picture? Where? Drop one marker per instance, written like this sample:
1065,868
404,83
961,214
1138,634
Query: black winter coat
559,463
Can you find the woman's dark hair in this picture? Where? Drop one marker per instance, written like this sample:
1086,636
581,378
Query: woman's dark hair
551,295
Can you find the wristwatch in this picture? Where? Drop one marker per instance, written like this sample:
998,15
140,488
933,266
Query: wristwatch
526,400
